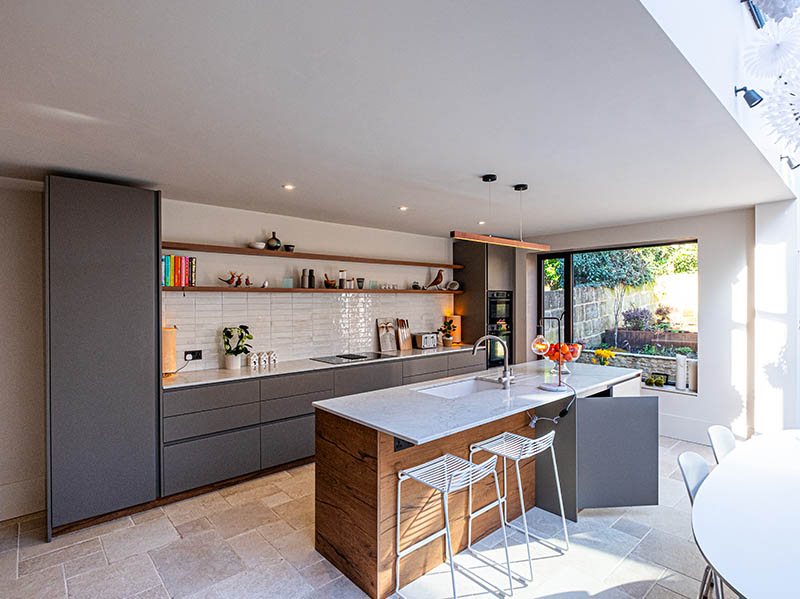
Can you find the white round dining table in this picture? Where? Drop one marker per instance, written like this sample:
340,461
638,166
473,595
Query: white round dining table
746,517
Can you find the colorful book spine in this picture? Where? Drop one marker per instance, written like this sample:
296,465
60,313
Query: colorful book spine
178,271
193,271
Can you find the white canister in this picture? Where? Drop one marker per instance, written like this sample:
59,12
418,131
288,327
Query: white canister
680,375
692,378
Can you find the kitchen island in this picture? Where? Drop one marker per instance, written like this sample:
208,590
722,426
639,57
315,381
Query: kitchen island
364,440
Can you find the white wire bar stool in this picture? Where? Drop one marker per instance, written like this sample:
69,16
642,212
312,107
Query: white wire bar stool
448,474
510,446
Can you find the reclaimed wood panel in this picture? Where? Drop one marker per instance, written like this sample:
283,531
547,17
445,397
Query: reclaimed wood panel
356,499
422,510
346,498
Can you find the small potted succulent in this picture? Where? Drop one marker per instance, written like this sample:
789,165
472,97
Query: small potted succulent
235,349
447,329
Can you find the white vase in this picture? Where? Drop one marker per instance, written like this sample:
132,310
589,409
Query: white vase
232,362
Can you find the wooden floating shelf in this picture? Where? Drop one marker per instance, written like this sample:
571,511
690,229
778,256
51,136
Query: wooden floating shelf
224,249
300,290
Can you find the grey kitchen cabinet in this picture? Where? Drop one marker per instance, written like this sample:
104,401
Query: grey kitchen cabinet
466,370
286,385
223,430
287,440
500,267
368,377
421,378
428,368
196,424
102,321
463,360
211,459
607,453
209,397
425,365
294,405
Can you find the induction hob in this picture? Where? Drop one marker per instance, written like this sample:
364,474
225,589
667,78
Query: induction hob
347,358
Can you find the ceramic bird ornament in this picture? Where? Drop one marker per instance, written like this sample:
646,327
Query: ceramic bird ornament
230,280
436,280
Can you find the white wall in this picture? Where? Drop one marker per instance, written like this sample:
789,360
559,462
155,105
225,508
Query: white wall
199,223
776,404
725,315
22,441
296,325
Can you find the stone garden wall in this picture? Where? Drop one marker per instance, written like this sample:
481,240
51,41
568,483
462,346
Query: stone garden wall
594,309
647,364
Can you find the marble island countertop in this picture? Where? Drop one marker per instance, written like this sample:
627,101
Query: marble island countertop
418,417
220,375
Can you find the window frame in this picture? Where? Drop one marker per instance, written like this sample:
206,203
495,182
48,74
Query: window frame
569,283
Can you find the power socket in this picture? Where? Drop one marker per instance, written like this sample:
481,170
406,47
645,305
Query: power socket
195,354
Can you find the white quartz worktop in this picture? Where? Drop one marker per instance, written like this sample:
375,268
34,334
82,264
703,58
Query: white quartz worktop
220,375
408,414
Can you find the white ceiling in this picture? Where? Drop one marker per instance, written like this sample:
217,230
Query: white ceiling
368,105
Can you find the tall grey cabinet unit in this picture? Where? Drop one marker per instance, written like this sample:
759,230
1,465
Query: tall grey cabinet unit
102,268
486,267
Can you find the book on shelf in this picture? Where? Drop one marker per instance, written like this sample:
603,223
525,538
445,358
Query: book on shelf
178,271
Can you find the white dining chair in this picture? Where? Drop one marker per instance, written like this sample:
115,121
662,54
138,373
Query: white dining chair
722,441
695,469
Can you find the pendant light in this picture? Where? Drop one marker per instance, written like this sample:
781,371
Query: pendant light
503,241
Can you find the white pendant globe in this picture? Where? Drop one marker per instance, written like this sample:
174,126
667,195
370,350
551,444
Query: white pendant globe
777,10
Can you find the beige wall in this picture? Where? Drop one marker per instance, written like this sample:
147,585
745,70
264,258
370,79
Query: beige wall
22,441
726,243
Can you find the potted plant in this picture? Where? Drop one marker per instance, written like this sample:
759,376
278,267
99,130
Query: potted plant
234,350
447,329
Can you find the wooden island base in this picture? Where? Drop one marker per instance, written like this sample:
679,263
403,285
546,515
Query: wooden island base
356,499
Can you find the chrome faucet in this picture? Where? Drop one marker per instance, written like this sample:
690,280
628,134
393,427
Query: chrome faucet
507,377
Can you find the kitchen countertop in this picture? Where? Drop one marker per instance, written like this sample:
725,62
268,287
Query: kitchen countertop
220,375
418,418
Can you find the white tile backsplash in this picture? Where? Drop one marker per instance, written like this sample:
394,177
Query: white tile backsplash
296,325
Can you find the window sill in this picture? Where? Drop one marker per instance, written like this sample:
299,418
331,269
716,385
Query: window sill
669,389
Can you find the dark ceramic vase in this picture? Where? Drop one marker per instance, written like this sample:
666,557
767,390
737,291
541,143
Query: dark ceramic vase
273,243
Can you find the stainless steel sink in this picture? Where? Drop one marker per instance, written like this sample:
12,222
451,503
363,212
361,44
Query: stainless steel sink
461,388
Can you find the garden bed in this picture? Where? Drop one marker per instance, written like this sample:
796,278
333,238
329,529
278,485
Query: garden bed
637,340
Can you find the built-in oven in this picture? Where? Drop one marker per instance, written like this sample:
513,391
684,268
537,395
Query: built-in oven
499,323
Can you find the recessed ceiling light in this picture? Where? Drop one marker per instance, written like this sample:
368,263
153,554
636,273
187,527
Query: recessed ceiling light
288,186
481,222
403,208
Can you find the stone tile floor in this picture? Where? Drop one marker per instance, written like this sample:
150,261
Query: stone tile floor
256,540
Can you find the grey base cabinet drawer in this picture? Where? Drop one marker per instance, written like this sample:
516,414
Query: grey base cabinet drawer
289,407
210,397
421,378
287,440
417,366
369,377
466,370
210,421
273,387
465,359
205,461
